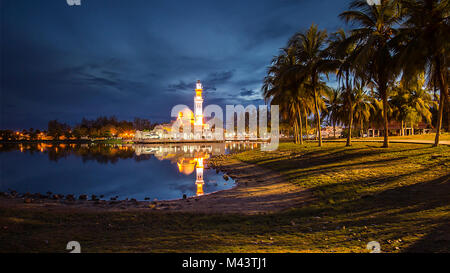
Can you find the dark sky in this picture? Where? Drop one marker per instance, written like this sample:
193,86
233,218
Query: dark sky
139,58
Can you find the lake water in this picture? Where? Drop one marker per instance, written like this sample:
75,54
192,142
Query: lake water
164,172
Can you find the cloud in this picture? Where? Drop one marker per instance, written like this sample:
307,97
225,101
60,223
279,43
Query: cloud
219,77
141,58
247,93
250,95
107,76
210,82
181,86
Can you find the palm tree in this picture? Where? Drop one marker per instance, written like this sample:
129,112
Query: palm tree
420,100
312,63
411,101
376,113
340,49
362,105
334,107
306,104
373,58
281,89
400,103
288,109
423,44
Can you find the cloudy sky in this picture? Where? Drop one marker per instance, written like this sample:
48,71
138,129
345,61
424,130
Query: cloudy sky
139,58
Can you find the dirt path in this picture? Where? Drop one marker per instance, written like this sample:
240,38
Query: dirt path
258,190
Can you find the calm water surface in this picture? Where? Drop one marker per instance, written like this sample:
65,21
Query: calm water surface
164,172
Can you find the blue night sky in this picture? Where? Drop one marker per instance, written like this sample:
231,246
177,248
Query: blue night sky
139,58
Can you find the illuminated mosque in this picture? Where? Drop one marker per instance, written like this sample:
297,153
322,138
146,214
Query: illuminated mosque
186,116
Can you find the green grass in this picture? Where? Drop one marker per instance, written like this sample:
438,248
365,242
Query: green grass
429,137
397,196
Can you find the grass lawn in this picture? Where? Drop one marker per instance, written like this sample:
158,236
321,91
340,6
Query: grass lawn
399,197
430,137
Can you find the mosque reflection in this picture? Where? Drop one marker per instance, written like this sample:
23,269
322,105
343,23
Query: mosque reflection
188,158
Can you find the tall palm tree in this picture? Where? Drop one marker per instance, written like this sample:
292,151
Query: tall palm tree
420,100
281,89
400,103
340,49
312,63
423,44
362,106
411,101
288,108
373,53
334,108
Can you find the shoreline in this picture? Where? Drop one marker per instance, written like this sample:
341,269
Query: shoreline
257,190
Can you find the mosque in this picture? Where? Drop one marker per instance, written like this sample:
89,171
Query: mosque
195,119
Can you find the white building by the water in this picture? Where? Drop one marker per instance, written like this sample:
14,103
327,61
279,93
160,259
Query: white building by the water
164,131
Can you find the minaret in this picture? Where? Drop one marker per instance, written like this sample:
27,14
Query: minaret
198,103
199,181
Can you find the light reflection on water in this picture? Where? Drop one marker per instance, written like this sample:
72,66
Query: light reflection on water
139,171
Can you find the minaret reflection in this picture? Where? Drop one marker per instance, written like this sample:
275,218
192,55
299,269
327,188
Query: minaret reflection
199,181
189,158
188,165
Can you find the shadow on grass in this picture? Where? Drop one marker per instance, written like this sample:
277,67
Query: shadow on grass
408,204
436,241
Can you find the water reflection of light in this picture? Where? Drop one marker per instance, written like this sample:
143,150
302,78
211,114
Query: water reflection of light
199,177
187,165
188,158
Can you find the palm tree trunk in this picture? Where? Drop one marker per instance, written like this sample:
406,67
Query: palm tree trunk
362,129
295,133
306,123
447,103
402,131
334,129
385,117
350,125
299,113
439,120
316,106
443,85
350,112
412,128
